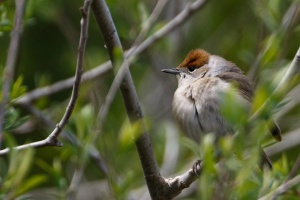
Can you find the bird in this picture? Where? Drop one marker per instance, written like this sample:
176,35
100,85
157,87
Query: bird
196,102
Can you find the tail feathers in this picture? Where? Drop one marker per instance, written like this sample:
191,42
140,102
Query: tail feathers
265,160
276,132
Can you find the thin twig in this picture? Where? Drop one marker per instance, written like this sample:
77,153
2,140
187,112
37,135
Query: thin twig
51,140
11,61
73,188
71,138
282,188
294,169
288,20
292,71
62,85
106,67
290,140
148,24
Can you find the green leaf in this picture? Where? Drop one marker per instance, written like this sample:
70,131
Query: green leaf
18,89
12,119
31,183
19,164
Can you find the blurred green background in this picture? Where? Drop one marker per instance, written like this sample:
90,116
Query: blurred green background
261,37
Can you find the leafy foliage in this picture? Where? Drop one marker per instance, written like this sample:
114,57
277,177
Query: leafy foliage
258,36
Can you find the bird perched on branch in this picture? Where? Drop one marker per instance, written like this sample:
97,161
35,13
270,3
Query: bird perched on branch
196,103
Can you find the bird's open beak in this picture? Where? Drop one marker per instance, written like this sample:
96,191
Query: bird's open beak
171,71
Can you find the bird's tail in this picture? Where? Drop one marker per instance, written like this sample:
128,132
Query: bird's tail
265,160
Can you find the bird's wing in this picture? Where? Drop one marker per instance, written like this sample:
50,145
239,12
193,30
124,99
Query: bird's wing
246,88
244,85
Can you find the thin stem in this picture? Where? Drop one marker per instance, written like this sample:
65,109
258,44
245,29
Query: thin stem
51,140
106,67
294,169
282,188
11,61
292,71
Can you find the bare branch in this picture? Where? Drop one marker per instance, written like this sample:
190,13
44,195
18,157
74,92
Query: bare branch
282,188
182,17
158,187
179,183
51,140
134,112
93,152
62,85
287,22
115,85
105,67
294,169
146,27
75,182
292,71
11,61
178,20
290,140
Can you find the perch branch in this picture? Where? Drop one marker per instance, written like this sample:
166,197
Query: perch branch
159,187
178,20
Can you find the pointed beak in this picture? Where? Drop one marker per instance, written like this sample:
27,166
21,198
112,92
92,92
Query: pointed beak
173,71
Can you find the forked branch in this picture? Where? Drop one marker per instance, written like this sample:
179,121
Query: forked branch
158,186
52,140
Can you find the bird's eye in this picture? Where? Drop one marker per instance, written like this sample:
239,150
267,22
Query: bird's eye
191,69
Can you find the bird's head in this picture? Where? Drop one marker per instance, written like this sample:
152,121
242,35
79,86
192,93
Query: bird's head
198,64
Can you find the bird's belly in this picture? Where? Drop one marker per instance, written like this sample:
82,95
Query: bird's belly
203,118
184,114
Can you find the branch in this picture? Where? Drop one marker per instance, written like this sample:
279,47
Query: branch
71,138
290,140
294,169
178,20
179,183
51,140
292,71
62,85
11,61
287,23
133,108
115,85
105,67
282,188
159,187
150,21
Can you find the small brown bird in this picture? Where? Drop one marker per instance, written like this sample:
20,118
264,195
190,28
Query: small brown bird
196,103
